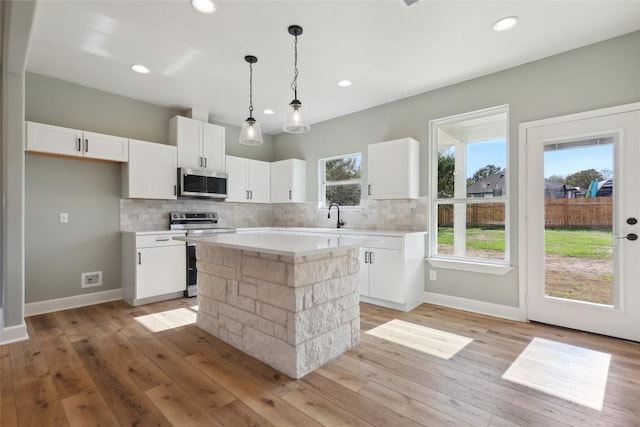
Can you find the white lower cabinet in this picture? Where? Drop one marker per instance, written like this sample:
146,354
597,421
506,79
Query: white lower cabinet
153,267
392,269
382,268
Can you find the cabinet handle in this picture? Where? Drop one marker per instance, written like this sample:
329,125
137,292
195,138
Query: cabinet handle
139,258
366,257
369,189
200,161
158,239
79,144
251,194
205,162
371,258
247,195
289,194
175,190
86,145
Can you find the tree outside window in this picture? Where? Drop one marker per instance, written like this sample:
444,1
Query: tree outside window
341,180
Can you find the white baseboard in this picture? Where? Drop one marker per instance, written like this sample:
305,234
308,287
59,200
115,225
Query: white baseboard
12,333
480,307
48,306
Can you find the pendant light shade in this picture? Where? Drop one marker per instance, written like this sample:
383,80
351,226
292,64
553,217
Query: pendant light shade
250,132
294,121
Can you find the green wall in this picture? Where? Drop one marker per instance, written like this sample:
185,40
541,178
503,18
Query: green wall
56,254
596,76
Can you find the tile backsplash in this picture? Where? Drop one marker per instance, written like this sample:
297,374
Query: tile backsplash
397,215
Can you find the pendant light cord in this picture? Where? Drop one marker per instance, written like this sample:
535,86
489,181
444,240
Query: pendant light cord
294,83
250,90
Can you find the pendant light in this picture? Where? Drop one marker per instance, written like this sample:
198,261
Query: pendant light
293,120
250,133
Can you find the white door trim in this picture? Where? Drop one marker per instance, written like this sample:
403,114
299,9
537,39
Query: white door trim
522,186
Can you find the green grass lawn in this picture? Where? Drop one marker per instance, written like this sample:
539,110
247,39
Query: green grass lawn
595,244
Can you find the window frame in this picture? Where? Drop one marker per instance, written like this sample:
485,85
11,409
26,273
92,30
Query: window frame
322,183
467,263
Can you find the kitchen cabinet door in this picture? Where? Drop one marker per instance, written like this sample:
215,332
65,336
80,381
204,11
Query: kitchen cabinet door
201,145
160,270
213,147
288,181
259,181
237,179
386,279
44,138
364,271
150,172
186,134
105,147
393,169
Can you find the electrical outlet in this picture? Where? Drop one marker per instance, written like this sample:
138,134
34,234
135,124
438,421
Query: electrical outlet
64,217
432,275
91,279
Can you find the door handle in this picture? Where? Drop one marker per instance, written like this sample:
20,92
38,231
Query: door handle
632,221
631,236
139,258
369,190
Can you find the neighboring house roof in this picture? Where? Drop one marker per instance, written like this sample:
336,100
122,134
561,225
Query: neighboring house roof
491,184
495,184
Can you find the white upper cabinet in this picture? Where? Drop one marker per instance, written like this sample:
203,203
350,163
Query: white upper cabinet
248,180
201,145
50,139
288,181
151,172
394,169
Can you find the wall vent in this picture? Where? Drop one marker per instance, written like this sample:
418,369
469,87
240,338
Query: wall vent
91,279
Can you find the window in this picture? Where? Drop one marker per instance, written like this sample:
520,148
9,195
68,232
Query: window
340,180
470,206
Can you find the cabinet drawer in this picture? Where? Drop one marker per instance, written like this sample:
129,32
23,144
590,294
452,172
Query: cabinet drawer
382,242
157,240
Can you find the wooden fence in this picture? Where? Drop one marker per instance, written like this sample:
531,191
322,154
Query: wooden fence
563,213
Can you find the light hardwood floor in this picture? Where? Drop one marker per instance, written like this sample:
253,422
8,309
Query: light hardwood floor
99,366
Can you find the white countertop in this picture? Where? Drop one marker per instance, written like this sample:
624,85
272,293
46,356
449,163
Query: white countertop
332,230
157,232
278,243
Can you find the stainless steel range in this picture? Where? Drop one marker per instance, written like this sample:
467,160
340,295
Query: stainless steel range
196,224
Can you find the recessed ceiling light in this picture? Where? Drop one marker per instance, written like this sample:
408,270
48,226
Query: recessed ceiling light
203,6
505,24
267,111
344,83
139,68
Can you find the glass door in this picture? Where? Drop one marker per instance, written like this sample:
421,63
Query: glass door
582,206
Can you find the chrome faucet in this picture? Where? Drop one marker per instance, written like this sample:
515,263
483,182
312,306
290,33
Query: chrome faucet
340,222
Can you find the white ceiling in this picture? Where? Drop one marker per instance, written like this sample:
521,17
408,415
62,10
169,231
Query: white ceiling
388,50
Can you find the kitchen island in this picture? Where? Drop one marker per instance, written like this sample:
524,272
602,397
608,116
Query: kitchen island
288,300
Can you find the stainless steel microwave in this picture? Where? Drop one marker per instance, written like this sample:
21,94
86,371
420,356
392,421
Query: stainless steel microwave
202,184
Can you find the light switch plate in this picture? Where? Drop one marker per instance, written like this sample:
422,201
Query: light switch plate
64,217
